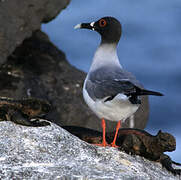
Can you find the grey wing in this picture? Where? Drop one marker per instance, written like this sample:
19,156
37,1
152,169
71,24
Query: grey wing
108,82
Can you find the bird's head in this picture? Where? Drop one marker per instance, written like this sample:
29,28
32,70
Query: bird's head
108,27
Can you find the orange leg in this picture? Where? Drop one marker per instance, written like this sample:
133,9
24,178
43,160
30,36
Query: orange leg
104,143
113,144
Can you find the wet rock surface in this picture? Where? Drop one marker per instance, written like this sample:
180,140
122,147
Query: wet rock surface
38,69
20,18
53,153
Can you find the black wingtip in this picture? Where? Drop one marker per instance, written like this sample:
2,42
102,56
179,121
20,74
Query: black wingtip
159,94
155,93
148,92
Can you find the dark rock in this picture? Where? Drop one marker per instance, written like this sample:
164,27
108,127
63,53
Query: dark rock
20,18
25,111
38,69
53,153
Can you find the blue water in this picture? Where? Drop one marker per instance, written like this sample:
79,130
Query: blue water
150,48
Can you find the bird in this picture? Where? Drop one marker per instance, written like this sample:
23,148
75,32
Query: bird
110,91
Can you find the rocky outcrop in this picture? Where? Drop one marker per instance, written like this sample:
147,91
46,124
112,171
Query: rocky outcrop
20,18
53,153
38,69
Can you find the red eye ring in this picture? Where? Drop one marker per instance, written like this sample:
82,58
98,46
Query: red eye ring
102,23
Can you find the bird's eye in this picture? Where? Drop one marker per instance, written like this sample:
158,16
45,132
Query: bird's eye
102,23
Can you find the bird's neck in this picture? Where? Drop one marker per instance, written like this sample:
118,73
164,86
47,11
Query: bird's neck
105,55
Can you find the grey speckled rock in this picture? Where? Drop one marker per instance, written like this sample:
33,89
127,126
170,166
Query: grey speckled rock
20,18
52,153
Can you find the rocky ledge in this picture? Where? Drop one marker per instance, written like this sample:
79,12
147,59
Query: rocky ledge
53,153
